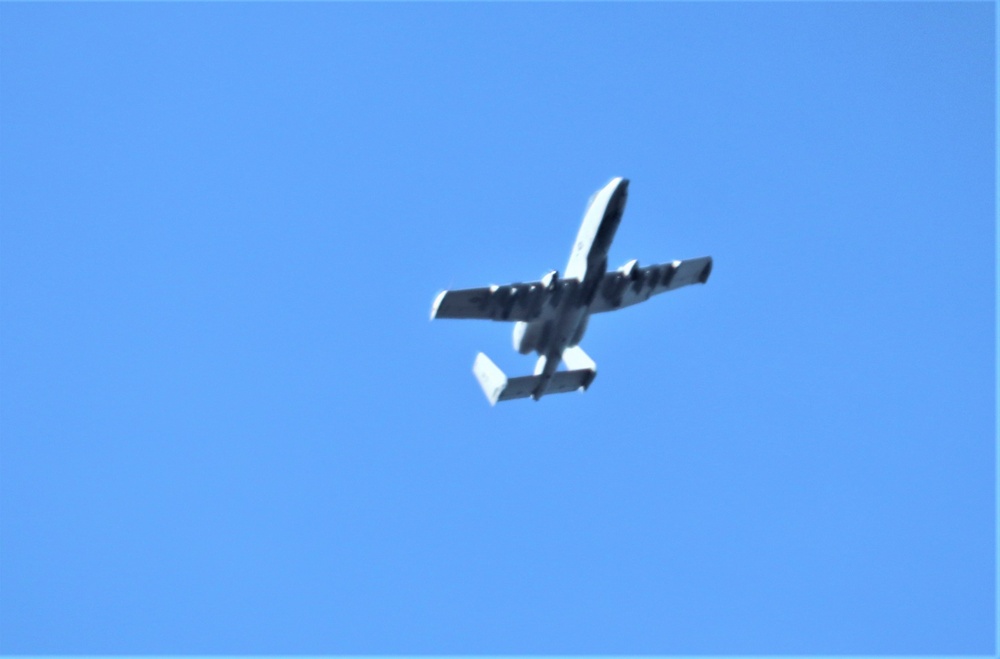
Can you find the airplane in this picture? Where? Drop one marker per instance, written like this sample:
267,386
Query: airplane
550,316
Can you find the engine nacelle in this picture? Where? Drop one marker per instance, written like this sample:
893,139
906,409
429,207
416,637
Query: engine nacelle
523,341
531,337
630,269
578,334
550,279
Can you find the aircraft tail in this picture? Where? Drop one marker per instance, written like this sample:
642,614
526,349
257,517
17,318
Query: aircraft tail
498,387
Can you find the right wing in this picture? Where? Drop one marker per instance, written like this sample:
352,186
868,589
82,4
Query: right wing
524,302
618,289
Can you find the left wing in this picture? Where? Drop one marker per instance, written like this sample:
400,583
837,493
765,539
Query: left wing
632,284
524,302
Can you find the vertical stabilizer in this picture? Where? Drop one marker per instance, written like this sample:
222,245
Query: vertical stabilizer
577,360
491,378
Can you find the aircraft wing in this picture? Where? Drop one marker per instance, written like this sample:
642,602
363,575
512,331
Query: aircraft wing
524,302
622,289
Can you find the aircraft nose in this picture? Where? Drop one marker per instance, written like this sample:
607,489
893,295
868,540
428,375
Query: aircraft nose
619,190
618,196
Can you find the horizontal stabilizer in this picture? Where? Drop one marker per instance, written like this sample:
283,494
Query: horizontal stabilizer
498,387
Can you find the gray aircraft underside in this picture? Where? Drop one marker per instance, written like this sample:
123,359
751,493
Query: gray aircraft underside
550,316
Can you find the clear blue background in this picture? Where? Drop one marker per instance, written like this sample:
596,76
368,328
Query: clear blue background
229,427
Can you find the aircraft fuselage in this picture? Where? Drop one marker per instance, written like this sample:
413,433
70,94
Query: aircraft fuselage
566,324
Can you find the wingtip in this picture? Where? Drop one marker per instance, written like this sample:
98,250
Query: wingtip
705,272
437,304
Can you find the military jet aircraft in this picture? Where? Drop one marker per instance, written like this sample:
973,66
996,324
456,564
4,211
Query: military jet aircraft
550,316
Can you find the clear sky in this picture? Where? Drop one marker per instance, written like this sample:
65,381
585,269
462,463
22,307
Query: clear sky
227,425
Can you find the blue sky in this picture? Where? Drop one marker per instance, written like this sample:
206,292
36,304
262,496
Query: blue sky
227,425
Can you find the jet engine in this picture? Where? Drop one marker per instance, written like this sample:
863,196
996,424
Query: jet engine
529,337
523,342
578,335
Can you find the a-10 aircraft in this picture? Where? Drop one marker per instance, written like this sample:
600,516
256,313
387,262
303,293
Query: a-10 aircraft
551,315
